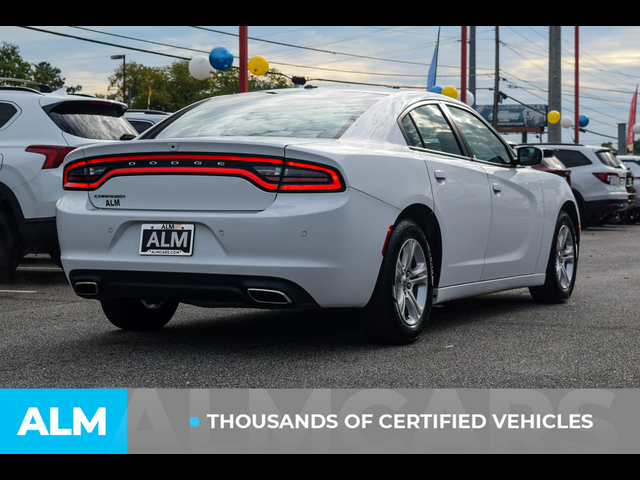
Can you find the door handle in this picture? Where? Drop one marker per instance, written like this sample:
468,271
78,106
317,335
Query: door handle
497,187
440,175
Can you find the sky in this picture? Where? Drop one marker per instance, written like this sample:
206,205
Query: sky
398,56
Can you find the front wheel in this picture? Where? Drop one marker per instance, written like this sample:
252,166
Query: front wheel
401,303
138,314
562,266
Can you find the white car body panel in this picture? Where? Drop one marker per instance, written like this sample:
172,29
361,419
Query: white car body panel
496,222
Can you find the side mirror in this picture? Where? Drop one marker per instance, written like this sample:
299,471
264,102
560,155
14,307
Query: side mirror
529,156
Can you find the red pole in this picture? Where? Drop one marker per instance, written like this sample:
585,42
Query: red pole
463,80
244,72
577,120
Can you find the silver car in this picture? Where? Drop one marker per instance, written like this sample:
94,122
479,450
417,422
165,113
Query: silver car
381,200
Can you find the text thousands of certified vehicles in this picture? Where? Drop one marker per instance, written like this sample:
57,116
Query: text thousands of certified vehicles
380,200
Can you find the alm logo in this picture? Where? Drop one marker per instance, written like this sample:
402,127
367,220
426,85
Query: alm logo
63,421
33,422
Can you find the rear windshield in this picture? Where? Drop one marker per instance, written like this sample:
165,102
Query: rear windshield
288,113
95,120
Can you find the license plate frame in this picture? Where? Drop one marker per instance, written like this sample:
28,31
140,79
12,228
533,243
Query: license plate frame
167,239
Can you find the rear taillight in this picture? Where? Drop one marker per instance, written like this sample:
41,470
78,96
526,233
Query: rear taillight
606,177
304,177
269,174
54,154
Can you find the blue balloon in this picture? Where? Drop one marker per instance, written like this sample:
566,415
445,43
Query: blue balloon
221,58
436,89
584,121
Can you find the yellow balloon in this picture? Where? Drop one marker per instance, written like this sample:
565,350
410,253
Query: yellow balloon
553,116
450,91
258,65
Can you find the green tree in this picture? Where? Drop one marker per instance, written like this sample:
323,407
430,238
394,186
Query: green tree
173,87
12,65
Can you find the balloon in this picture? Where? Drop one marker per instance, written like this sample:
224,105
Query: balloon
436,89
470,99
258,65
450,91
200,68
584,120
221,58
636,128
553,116
566,122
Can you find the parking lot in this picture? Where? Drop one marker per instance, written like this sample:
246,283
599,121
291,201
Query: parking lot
50,338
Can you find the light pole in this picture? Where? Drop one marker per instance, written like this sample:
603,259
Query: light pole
124,75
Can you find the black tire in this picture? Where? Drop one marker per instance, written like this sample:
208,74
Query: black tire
10,244
401,302
138,314
562,265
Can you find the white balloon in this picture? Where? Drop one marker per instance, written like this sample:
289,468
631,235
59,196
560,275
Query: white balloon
200,68
566,122
636,128
470,98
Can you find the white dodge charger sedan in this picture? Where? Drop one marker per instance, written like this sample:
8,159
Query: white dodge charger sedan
383,200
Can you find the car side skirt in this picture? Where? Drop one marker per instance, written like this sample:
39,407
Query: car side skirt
455,292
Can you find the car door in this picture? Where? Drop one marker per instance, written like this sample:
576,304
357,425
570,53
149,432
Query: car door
462,200
517,206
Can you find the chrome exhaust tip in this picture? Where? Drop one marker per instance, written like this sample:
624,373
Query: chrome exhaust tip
273,297
86,289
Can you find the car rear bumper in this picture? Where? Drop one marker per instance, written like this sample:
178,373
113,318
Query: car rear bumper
317,249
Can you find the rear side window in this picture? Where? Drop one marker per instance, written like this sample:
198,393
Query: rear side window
95,120
426,127
7,112
608,158
572,158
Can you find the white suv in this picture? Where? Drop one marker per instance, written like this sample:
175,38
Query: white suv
37,130
598,180
144,119
633,163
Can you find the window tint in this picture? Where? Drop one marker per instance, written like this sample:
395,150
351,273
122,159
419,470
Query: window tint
484,143
572,158
7,112
608,158
95,120
433,129
305,113
413,137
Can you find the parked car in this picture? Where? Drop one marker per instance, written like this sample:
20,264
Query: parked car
633,163
37,129
551,163
144,119
382,200
598,180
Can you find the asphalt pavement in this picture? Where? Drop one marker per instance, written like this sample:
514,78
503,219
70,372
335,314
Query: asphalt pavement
50,338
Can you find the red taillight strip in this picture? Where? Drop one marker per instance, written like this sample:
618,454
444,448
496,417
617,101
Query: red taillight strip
183,170
302,184
335,184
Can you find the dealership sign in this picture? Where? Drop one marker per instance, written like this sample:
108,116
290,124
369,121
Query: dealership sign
516,118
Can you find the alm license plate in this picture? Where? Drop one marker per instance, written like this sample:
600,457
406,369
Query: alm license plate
170,239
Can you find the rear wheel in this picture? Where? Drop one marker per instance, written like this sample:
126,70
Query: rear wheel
401,303
563,262
138,314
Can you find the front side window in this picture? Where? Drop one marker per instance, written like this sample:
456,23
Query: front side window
484,143
428,126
